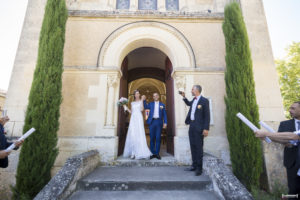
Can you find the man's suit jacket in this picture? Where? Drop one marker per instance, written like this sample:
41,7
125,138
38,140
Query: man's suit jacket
162,112
290,154
3,145
202,113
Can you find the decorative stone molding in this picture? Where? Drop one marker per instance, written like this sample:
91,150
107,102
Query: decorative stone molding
180,82
112,81
133,13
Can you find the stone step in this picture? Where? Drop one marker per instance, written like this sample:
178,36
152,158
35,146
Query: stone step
145,195
127,162
143,178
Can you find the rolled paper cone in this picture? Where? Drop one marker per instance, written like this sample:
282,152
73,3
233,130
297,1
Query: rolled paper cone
27,134
247,122
268,128
250,125
10,148
297,132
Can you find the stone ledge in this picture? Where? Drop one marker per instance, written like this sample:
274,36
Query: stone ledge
64,182
145,14
224,181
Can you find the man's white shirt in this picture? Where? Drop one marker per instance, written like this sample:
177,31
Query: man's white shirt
297,128
156,109
194,106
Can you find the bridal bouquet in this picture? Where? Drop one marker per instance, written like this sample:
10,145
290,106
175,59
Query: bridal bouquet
122,102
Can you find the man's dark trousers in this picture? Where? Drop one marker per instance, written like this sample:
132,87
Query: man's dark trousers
196,143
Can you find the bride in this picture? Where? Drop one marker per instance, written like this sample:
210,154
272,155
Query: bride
136,143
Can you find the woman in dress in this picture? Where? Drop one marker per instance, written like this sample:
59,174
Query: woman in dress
136,143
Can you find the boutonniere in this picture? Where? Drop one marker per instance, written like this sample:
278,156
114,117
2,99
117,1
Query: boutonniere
199,106
161,107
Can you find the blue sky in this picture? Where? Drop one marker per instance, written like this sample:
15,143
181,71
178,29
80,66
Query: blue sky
283,17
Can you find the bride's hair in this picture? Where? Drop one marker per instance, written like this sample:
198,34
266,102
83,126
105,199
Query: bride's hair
135,91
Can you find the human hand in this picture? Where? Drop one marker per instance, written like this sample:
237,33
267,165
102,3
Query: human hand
260,134
3,120
205,133
19,143
288,145
3,154
182,93
165,126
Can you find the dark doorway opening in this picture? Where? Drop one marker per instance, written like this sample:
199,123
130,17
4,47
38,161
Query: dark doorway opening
152,66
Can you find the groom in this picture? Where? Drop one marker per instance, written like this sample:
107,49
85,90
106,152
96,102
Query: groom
157,120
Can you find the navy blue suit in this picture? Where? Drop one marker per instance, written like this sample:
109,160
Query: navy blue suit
155,125
201,122
291,158
3,145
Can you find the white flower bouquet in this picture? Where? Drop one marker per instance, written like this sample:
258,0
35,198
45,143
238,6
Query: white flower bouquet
122,102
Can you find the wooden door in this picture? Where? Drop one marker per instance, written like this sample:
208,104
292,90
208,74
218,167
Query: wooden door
122,128
170,106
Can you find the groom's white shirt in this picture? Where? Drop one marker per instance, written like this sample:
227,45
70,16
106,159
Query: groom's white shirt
156,109
195,103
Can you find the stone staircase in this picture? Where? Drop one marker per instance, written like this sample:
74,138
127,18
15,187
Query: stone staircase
144,179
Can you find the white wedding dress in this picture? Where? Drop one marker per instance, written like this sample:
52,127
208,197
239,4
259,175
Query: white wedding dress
136,143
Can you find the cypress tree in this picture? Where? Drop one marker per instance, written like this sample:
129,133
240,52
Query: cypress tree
39,151
245,148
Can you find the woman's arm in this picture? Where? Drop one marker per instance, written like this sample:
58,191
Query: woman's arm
142,105
126,109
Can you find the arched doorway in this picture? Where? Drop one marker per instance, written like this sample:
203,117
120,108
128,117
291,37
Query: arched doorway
149,70
179,58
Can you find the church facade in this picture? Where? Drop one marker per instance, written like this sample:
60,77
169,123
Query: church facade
113,47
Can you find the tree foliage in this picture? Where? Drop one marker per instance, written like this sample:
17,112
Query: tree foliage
245,149
39,151
289,76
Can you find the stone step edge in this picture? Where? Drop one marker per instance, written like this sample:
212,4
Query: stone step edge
144,185
142,163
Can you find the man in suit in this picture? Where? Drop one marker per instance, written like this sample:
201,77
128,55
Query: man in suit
198,118
291,157
4,143
157,120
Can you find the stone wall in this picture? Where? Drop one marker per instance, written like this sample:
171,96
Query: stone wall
63,184
2,100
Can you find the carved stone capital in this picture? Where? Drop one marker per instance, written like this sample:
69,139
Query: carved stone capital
180,82
112,80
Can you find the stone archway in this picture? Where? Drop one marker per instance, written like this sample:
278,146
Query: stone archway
179,56
146,34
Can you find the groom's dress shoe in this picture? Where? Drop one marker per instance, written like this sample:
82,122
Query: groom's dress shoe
158,157
198,172
190,169
152,156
